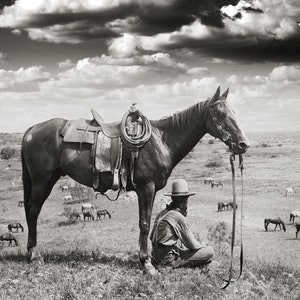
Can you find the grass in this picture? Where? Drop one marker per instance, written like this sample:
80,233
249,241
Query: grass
78,274
99,260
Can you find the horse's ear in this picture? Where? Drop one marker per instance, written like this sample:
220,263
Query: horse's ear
215,96
225,94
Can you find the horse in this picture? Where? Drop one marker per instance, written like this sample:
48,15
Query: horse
46,157
88,215
65,188
9,237
297,225
208,180
21,203
217,184
74,215
231,204
289,191
221,206
103,212
278,221
15,226
293,215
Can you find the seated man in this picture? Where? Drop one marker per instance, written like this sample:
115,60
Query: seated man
173,243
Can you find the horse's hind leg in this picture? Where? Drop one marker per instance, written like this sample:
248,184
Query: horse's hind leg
38,194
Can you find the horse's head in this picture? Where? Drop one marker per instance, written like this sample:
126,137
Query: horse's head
221,123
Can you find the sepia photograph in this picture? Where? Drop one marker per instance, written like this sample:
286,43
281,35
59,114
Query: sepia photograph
149,149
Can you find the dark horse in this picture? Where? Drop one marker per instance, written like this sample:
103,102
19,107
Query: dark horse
88,215
15,226
103,212
45,158
297,225
278,221
10,238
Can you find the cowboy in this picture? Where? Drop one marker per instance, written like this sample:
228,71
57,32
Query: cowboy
173,243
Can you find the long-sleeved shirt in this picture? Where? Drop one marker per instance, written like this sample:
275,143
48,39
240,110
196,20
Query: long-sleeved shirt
171,228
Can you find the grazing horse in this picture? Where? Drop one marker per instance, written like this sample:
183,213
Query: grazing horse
65,188
9,237
293,215
278,221
46,157
208,180
221,206
217,184
103,212
21,203
289,191
74,215
297,225
88,215
15,226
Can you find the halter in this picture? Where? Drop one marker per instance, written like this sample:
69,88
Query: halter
226,135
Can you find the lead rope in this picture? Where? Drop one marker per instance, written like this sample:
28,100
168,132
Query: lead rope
230,279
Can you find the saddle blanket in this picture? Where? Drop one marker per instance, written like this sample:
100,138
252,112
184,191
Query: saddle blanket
79,131
107,149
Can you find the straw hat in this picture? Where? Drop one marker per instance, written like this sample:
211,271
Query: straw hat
179,189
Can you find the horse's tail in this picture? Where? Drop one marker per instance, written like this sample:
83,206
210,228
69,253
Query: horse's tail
266,224
25,173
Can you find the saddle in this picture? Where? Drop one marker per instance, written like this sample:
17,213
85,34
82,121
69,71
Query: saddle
107,141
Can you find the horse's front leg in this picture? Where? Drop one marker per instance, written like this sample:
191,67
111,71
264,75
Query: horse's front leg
146,194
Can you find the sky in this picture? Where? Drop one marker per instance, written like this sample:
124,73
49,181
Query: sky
60,58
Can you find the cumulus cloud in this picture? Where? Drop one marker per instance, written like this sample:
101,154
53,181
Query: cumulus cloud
68,63
10,79
285,75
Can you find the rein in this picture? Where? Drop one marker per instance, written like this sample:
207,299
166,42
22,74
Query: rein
230,279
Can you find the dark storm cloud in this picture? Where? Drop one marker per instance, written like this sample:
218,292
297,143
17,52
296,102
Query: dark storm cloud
4,3
147,18
247,49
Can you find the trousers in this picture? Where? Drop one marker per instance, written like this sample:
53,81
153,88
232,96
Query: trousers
176,258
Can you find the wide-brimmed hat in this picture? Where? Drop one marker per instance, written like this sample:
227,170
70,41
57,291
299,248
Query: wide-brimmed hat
179,189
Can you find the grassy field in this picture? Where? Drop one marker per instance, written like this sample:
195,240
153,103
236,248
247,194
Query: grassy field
99,260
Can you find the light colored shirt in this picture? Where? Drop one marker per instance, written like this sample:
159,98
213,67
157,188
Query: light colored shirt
171,228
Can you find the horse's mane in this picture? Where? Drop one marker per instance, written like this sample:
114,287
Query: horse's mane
184,117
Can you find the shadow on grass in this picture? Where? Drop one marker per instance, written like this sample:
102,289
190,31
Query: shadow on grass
128,260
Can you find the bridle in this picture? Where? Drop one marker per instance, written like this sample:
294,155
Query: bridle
241,166
226,137
225,134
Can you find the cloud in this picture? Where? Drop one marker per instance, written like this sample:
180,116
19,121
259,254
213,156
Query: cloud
3,58
68,63
285,75
20,78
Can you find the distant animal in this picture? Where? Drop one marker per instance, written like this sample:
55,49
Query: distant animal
10,238
289,191
88,215
87,210
16,226
21,203
278,221
217,184
297,225
74,215
231,204
103,212
208,180
64,188
221,206
68,198
293,215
